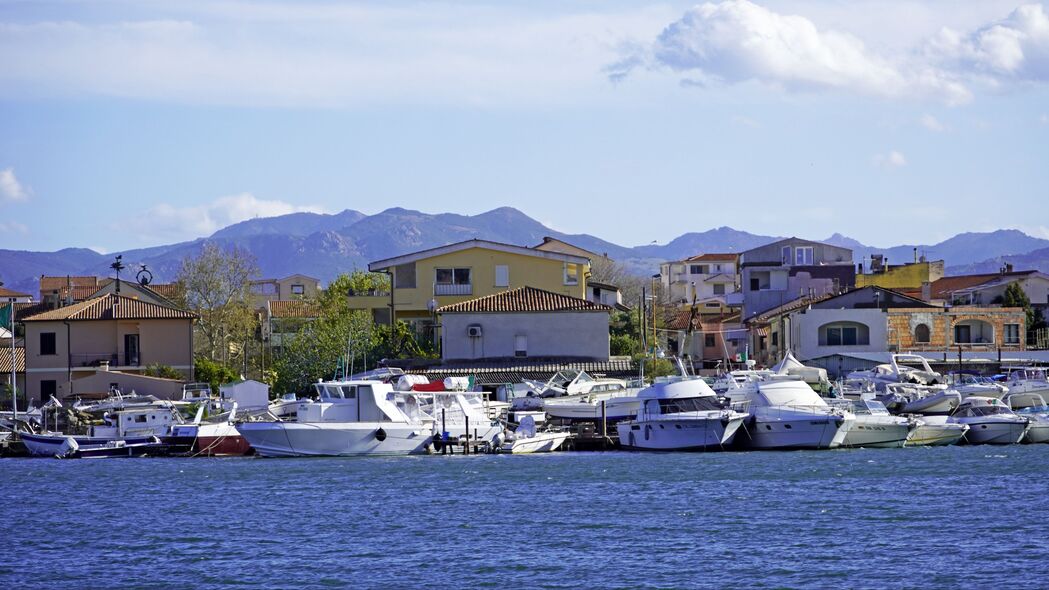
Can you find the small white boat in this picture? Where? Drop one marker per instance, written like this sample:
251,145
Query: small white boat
680,416
588,407
526,439
568,384
967,385
1026,380
936,431
990,422
1039,419
897,371
876,427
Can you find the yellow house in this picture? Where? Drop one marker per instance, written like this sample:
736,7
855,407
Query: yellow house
423,281
903,276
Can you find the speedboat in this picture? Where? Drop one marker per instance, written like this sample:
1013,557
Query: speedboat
905,398
216,437
527,439
788,414
1039,418
990,421
896,371
593,407
349,418
876,427
936,431
568,384
680,416
967,385
1025,381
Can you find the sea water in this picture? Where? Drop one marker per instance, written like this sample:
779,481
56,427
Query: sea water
915,517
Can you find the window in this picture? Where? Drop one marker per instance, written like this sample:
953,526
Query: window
698,269
521,345
717,268
775,338
131,350
571,274
921,334
1012,333
708,340
844,334
452,281
785,255
719,288
803,256
404,276
755,284
47,344
502,275
298,289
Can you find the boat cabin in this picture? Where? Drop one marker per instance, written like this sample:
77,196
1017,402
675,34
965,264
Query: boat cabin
360,401
148,421
975,406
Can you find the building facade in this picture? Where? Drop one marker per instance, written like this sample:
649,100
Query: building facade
703,278
783,271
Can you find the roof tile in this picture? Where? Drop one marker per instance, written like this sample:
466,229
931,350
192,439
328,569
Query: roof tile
524,299
113,307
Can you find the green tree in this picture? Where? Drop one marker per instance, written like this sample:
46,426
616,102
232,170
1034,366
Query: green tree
216,285
162,371
1014,296
213,373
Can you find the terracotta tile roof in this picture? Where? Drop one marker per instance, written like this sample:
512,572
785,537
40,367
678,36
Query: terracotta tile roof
113,307
24,310
166,290
5,361
942,288
714,258
706,322
5,292
48,284
292,309
787,307
523,299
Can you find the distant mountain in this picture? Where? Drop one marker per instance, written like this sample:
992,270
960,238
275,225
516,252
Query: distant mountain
324,246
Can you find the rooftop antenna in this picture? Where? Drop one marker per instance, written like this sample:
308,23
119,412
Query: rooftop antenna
118,265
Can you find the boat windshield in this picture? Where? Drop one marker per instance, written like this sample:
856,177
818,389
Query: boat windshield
869,406
688,404
982,411
336,392
1034,410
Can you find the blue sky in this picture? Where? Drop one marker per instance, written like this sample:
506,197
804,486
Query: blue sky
128,124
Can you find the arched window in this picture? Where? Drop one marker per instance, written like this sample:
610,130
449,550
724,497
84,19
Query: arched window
844,334
921,333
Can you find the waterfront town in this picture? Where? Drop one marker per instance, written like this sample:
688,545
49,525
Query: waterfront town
538,340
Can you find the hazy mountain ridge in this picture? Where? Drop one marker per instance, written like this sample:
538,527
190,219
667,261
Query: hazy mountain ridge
324,245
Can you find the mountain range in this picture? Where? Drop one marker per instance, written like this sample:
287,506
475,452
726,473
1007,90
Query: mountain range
325,245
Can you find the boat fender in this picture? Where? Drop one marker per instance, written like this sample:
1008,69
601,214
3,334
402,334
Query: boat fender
438,444
380,435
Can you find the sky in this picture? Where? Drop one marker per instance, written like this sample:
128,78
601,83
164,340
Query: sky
131,124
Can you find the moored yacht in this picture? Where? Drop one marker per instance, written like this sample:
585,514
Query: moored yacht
990,421
936,431
876,427
788,414
349,418
1022,382
680,416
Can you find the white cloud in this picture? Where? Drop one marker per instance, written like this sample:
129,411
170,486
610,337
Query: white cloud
893,159
10,188
13,227
169,222
932,123
1015,48
737,41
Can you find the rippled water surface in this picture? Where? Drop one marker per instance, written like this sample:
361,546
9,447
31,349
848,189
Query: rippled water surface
933,517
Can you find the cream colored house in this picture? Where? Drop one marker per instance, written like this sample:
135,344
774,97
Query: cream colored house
423,281
106,333
290,288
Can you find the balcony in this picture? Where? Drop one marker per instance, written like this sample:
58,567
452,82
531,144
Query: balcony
370,293
453,289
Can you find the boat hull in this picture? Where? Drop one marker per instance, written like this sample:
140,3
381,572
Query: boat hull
877,432
616,410
936,431
679,434
545,442
211,440
938,403
1038,433
335,439
996,432
778,431
50,445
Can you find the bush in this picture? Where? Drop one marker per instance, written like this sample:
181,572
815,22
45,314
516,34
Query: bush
659,368
163,371
215,374
623,345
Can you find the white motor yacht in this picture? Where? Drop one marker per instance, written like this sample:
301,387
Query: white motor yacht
936,431
788,414
680,416
990,421
349,418
967,385
906,398
1038,415
876,427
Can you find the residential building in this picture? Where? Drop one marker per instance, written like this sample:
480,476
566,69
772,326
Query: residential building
107,333
56,292
706,340
780,272
873,320
989,289
555,245
292,287
704,278
5,372
525,322
605,294
283,319
902,277
430,279
8,295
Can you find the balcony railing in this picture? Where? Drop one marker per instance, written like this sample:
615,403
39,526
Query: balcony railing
93,359
449,289
370,293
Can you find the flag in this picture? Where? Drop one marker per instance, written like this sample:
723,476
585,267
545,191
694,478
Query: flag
5,315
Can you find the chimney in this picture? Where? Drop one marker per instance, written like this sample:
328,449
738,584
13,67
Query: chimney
926,291
915,254
1008,267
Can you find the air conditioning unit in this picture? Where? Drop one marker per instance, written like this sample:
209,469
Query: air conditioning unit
473,331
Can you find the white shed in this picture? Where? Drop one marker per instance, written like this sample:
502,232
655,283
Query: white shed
248,393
